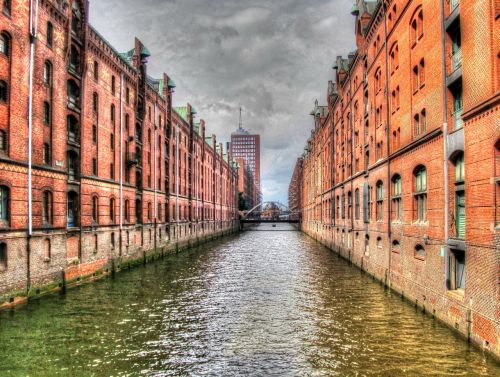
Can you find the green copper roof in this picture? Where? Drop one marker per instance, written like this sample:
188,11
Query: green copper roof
145,52
171,83
182,111
355,9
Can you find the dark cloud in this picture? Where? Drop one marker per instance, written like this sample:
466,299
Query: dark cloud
272,57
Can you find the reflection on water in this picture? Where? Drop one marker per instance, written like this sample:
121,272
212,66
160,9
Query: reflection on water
261,303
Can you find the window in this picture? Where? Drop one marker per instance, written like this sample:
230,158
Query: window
395,99
95,103
4,205
127,210
95,210
456,270
3,141
415,77
420,194
47,207
356,204
378,80
380,200
423,121
50,34
138,211
343,206
46,154
113,240
74,59
149,211
94,166
419,252
4,91
159,212
113,85
416,125
349,205
72,166
366,203
46,113
72,125
112,171
396,247
416,27
4,44
96,71
112,141
112,114
3,256
127,96
457,107
397,209
7,7
94,134
460,215
421,72
72,209
112,210
394,57
73,94
47,73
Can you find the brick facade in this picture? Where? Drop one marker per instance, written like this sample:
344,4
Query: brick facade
401,172
116,172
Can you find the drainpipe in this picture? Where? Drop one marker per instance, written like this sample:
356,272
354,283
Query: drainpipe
33,31
351,126
155,210
121,160
445,146
177,179
388,142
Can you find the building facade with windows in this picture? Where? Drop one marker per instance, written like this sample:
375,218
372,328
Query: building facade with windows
96,166
400,174
247,147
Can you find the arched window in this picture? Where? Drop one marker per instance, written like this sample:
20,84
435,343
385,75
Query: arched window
127,210
396,247
149,211
112,210
419,252
4,44
3,141
47,73
74,59
349,205
46,249
73,94
356,204
46,113
394,57
72,125
72,165
72,209
47,210
7,7
378,80
421,72
4,205
75,18
420,194
397,207
416,27
95,209
50,34
4,91
380,201
95,103
3,257
460,214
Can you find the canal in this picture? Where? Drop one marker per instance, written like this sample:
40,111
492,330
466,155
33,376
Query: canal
261,303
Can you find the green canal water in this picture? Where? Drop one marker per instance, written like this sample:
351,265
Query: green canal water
261,303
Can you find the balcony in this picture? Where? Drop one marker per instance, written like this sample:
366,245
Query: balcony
457,119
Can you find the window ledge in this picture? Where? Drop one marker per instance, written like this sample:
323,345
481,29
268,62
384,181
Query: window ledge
457,294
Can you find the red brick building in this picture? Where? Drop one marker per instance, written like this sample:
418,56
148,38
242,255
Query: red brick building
96,166
401,172
295,191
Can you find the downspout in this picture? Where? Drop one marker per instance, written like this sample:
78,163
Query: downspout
121,160
155,209
33,31
388,142
177,178
351,126
445,147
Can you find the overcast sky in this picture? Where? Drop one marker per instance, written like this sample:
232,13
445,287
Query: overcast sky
272,57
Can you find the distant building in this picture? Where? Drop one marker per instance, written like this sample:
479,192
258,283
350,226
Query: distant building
246,147
295,191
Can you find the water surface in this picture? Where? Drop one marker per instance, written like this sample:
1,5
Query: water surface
261,303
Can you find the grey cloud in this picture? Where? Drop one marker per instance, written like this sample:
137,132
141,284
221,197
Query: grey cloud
272,57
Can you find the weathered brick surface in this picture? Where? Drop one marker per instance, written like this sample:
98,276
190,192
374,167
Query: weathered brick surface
367,137
194,201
